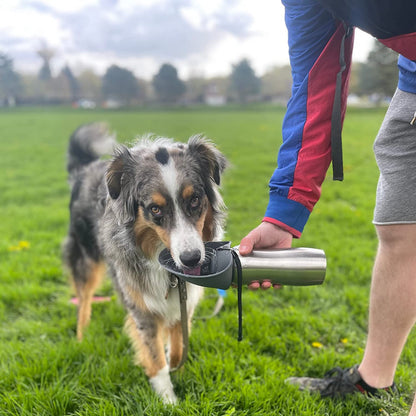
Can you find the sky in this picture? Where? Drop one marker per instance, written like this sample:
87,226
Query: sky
199,37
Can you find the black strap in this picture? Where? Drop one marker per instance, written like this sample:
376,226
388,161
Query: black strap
184,323
237,263
336,119
184,314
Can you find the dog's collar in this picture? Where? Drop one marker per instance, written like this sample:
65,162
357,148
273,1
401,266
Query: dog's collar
173,282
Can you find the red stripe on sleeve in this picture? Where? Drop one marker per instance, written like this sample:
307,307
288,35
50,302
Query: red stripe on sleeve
284,226
314,156
403,44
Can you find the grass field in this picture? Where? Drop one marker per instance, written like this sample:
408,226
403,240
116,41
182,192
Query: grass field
294,331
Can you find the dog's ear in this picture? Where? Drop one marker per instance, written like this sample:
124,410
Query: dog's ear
212,160
115,171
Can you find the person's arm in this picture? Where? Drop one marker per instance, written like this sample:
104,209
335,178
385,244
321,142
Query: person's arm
304,157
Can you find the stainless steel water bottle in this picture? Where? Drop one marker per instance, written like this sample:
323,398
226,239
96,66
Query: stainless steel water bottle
293,266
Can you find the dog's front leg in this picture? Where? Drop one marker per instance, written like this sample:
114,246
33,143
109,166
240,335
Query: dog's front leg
176,345
146,333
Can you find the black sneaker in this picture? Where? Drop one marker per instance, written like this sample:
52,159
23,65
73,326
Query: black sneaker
338,382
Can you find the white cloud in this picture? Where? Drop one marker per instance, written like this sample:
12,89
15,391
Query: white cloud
363,43
196,36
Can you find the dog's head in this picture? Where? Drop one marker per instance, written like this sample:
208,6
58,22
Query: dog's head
168,192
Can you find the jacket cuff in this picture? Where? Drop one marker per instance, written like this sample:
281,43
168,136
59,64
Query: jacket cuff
287,214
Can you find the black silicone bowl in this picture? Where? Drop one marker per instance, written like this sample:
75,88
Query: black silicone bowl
216,271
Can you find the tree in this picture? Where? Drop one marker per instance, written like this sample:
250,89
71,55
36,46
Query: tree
379,74
120,84
72,81
244,81
276,84
168,87
9,81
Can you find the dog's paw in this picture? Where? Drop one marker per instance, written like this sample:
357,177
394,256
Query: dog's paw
162,385
169,398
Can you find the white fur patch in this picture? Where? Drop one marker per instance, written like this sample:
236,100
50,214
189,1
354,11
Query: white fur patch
162,385
184,235
170,178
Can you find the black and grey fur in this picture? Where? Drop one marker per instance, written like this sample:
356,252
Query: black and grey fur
124,211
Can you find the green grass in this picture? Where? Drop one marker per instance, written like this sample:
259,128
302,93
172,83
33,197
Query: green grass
45,371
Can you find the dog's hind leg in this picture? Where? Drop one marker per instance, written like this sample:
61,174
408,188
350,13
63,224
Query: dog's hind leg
147,335
85,288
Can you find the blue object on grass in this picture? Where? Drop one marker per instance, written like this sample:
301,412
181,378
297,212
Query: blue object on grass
222,293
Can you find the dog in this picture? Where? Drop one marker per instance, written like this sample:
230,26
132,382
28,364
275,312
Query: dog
123,211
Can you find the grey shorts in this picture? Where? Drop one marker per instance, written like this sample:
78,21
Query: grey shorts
395,151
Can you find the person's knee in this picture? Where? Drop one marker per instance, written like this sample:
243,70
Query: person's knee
397,237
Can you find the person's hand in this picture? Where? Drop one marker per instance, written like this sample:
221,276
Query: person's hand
265,236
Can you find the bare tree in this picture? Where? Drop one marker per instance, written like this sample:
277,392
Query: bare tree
46,54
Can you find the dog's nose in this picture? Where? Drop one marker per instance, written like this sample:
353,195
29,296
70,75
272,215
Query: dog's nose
190,258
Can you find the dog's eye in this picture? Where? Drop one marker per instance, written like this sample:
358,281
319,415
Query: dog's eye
155,210
195,202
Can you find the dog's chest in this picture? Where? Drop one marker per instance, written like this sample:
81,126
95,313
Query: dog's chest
163,299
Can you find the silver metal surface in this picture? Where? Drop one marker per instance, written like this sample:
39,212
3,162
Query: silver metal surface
293,266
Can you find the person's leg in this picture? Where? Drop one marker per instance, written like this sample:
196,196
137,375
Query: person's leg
392,306
392,303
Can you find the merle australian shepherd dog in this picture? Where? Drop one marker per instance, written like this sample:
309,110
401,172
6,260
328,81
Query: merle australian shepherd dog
124,211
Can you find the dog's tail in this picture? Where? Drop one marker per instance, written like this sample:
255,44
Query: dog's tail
88,143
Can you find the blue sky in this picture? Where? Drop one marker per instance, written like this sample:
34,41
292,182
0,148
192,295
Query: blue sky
199,37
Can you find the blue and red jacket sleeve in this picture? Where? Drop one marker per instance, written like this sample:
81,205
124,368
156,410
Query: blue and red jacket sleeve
407,73
314,49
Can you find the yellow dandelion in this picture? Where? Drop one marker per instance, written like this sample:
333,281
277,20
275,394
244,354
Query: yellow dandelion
317,344
23,245
344,340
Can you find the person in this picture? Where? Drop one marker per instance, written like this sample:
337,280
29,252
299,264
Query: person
320,37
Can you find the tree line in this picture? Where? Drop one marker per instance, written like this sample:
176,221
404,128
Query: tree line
121,87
